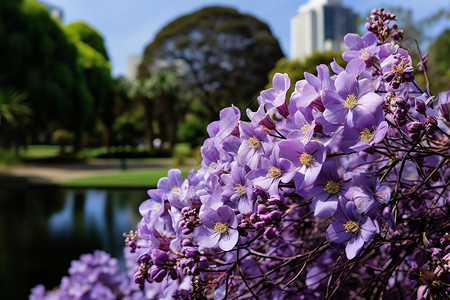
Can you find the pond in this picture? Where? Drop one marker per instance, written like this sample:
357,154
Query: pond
43,228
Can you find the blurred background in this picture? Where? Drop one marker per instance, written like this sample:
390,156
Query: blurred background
98,99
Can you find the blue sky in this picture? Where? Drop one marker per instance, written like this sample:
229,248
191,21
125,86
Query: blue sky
129,25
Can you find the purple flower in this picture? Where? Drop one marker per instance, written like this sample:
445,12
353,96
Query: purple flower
328,187
272,171
307,158
215,160
369,130
238,189
219,228
276,96
176,188
397,70
362,48
255,145
227,125
351,228
353,98
309,90
303,125
261,117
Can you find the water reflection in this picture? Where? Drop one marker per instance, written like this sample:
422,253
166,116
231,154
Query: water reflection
61,222
49,227
94,215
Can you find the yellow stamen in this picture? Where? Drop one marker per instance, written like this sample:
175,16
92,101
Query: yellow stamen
364,54
305,129
400,68
254,142
306,159
278,93
176,190
332,187
351,101
221,227
367,135
351,226
274,172
240,189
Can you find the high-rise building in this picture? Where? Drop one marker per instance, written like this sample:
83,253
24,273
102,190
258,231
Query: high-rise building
320,25
133,62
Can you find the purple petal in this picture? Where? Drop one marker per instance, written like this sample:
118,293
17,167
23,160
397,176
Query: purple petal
346,84
228,240
207,238
367,229
353,247
336,233
353,41
324,209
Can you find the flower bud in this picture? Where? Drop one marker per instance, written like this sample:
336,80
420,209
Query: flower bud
274,200
270,233
402,103
186,242
157,273
275,216
414,127
259,225
159,257
262,209
191,252
254,218
420,106
430,125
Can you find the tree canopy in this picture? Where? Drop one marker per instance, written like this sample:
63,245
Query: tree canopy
223,56
37,59
439,62
87,35
62,72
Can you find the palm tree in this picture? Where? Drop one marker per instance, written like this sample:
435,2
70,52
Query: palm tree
141,91
158,94
15,115
13,109
165,87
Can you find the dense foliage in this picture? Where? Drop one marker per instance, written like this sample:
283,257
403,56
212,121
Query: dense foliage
37,59
62,72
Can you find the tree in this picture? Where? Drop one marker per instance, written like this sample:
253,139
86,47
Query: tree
96,70
221,56
158,94
87,35
141,92
37,59
164,87
439,63
15,116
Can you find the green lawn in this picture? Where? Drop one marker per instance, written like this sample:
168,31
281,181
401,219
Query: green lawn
39,151
127,178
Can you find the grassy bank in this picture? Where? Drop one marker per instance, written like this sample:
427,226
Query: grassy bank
127,178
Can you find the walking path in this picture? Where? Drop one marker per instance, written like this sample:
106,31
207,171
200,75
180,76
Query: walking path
55,173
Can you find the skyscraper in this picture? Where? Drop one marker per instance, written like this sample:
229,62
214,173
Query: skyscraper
320,25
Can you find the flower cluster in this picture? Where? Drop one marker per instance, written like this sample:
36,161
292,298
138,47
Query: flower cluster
93,276
338,190
430,268
323,193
